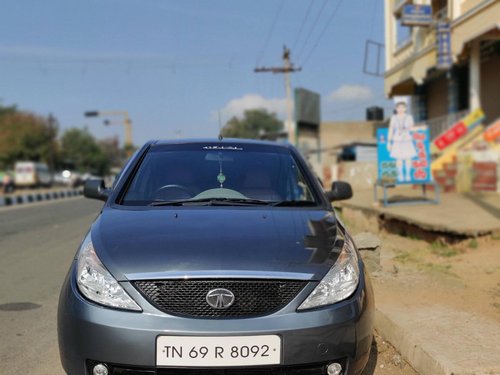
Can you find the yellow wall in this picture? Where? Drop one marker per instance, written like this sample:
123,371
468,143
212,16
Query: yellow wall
469,4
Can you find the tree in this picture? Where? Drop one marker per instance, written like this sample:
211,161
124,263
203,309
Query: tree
114,153
26,136
80,148
254,123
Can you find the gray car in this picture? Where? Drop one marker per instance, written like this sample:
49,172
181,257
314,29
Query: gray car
216,257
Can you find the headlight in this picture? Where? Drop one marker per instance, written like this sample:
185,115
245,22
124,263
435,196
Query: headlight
96,283
339,283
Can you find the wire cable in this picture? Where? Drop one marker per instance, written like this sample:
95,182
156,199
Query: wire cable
311,30
270,33
304,20
323,32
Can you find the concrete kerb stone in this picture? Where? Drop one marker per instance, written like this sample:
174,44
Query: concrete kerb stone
11,200
419,359
438,340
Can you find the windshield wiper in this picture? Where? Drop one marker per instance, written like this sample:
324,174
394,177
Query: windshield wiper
213,202
168,203
294,204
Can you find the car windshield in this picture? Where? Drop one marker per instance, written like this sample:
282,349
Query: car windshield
198,173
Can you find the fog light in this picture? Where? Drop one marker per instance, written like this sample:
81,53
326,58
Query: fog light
334,369
100,369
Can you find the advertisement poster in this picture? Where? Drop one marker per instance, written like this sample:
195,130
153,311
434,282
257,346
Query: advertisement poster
404,170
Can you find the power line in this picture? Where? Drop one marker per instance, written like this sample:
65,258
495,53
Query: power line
270,33
323,32
130,64
304,20
315,23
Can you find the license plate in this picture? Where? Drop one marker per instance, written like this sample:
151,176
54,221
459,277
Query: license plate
189,351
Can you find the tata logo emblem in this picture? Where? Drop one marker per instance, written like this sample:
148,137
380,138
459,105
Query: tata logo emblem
220,298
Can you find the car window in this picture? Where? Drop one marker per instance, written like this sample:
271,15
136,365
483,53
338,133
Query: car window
202,172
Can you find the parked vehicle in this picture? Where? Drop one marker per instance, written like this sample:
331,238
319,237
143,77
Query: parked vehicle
213,257
68,177
32,174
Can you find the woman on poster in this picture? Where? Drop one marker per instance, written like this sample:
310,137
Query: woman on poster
400,141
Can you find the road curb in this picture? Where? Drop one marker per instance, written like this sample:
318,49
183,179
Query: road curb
437,340
406,345
21,199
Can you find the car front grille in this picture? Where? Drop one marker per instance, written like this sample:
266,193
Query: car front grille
188,297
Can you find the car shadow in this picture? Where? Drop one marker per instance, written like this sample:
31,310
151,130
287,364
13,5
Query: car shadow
372,360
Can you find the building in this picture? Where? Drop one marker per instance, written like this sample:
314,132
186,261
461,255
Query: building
449,66
341,138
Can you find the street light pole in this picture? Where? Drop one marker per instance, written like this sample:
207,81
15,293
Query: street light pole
126,122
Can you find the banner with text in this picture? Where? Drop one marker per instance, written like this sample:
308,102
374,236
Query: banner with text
415,170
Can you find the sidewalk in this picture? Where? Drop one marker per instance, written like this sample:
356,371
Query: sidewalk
437,340
468,214
428,310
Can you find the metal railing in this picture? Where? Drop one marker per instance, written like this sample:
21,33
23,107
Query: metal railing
440,124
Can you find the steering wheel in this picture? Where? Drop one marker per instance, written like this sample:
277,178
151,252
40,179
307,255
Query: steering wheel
173,191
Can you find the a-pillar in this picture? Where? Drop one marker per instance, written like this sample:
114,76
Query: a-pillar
475,76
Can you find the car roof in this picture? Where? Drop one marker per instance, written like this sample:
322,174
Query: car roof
228,141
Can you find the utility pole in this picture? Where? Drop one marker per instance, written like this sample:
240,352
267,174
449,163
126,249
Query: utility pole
286,69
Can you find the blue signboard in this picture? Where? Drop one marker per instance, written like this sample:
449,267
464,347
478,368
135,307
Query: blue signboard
416,15
395,166
443,39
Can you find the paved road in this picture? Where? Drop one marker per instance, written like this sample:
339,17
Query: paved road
37,245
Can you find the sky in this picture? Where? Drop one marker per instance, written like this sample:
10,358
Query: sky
174,65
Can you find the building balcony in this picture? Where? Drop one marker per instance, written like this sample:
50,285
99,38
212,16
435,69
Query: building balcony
410,62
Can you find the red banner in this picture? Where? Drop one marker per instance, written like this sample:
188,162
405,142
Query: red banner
451,135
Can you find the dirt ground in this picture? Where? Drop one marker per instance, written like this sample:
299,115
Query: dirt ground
385,360
464,275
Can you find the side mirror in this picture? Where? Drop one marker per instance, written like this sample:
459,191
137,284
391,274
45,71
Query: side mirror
340,191
95,189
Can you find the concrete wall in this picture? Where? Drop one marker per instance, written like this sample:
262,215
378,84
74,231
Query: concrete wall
360,174
478,170
336,133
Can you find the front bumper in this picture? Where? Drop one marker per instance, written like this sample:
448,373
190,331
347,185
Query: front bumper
89,332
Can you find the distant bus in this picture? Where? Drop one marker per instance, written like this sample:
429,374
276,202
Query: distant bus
32,174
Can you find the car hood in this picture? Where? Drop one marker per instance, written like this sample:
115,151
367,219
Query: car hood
209,241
